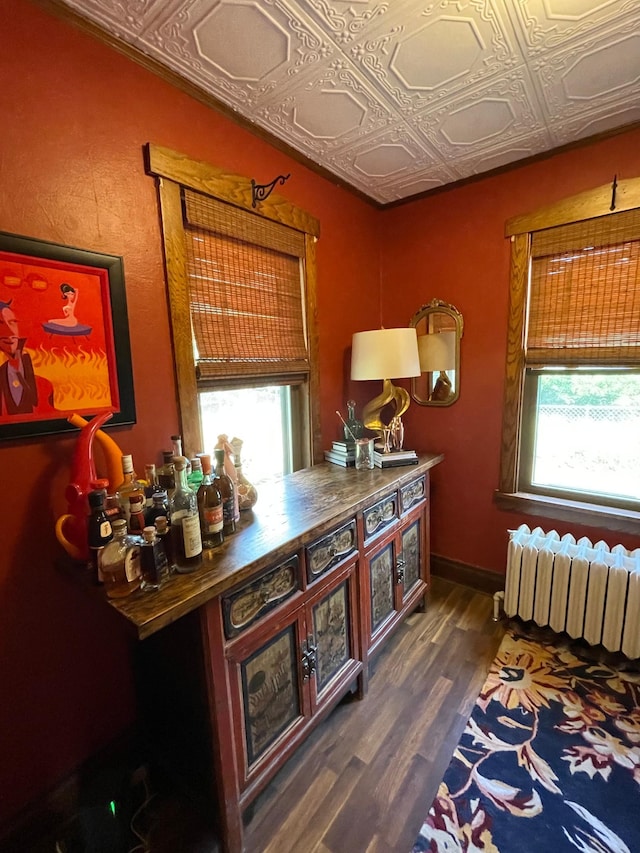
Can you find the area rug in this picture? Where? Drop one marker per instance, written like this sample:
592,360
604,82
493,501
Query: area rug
549,760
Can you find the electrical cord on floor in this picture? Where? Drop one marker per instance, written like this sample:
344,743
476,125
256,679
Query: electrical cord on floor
144,846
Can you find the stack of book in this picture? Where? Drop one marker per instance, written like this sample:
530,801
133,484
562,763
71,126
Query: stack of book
394,457
341,453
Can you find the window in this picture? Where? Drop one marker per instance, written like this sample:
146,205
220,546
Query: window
571,423
242,304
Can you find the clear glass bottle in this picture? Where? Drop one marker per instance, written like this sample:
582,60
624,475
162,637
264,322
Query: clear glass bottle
185,522
224,485
229,467
99,532
153,560
247,492
167,474
121,562
129,486
209,507
353,428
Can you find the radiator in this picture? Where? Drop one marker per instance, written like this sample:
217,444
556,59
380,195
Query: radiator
587,591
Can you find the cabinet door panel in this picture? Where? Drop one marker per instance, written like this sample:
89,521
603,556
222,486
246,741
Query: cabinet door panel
270,692
382,584
331,634
412,557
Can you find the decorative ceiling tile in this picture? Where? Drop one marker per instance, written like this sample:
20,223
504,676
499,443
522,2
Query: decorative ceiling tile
397,97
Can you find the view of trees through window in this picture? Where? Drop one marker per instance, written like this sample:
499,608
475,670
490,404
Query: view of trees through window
588,433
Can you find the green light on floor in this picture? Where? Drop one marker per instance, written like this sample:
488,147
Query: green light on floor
112,807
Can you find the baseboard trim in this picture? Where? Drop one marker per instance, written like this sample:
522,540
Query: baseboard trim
482,580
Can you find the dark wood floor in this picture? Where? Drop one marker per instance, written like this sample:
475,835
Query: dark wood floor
363,781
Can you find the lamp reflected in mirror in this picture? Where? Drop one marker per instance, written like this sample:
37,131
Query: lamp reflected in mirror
439,328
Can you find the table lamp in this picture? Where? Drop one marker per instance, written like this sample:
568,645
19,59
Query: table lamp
385,354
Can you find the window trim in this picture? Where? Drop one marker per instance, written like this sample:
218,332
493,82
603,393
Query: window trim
173,171
587,205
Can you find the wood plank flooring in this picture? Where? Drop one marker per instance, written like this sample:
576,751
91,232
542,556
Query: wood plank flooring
364,779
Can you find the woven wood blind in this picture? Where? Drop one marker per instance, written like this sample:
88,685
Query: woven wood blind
246,292
584,293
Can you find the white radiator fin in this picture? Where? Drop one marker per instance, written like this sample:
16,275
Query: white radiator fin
586,590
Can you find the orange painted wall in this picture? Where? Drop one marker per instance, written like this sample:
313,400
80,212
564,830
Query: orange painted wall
451,246
75,116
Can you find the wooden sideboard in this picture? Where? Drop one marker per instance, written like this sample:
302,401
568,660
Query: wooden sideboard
281,621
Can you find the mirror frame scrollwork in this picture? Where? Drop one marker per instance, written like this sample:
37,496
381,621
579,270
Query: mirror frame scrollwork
425,315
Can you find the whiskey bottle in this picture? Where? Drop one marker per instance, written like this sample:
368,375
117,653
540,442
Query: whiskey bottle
153,561
224,485
121,562
160,506
151,477
136,514
209,507
163,532
129,486
185,522
167,474
99,532
229,467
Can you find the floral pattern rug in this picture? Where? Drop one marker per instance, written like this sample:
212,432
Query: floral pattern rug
549,760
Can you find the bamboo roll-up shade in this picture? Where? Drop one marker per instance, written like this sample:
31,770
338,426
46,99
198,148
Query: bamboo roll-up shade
246,308
584,293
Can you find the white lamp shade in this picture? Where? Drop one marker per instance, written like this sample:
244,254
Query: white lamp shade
385,354
437,351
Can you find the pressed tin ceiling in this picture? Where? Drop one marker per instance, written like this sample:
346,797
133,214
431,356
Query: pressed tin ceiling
398,98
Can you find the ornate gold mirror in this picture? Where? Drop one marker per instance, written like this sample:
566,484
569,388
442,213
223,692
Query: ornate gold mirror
439,327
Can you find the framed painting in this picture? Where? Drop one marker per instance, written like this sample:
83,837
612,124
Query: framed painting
64,337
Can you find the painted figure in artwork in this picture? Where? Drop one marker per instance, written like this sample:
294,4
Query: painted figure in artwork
69,323
21,391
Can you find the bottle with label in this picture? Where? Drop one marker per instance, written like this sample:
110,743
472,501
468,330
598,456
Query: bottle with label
163,532
129,486
209,507
167,474
195,476
99,532
153,561
185,522
151,487
121,562
136,514
224,485
229,467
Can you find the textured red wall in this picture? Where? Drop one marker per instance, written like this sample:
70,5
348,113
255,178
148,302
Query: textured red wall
76,115
451,246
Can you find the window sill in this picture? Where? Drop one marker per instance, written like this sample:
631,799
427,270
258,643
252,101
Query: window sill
592,515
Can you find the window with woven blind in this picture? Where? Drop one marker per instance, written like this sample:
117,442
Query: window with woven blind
241,281
571,419
246,296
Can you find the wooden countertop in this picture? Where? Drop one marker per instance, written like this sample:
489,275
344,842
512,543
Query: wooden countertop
288,510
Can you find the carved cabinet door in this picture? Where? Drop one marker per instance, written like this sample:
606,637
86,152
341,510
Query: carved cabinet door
333,642
381,581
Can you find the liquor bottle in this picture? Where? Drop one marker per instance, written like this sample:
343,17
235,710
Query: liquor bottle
247,493
136,514
185,522
121,562
160,506
129,486
229,467
151,476
153,560
194,478
99,532
167,474
209,507
224,485
163,532
176,444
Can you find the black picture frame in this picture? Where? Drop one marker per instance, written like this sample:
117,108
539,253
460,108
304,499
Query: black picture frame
48,262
